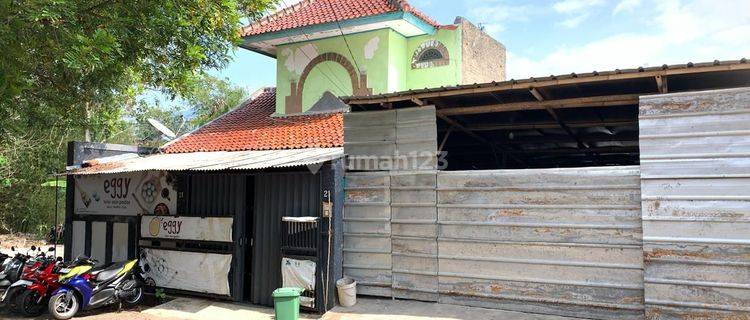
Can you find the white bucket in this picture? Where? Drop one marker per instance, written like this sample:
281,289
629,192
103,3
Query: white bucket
347,289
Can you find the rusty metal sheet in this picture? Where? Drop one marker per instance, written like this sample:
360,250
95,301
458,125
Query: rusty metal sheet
400,139
695,164
556,241
414,233
367,232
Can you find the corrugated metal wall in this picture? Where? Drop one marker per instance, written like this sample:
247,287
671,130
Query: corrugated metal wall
216,195
278,195
367,232
221,195
695,163
553,241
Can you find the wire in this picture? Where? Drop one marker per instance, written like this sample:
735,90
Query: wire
310,58
344,36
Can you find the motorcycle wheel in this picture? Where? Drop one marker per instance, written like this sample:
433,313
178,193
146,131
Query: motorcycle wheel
134,297
63,306
27,304
11,300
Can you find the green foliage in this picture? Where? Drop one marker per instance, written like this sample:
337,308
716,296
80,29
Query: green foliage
160,294
72,69
212,97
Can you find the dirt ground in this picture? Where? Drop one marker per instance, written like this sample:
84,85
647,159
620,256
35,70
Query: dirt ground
19,240
107,313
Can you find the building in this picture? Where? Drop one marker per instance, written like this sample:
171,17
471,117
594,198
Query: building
609,195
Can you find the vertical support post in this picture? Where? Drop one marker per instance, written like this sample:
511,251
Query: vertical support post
69,198
330,251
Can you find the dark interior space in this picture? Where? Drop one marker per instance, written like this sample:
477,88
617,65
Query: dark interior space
572,120
594,136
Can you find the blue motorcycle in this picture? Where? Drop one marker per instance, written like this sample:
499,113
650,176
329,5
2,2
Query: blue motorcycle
118,282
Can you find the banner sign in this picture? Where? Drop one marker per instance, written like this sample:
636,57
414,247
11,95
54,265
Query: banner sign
126,194
187,228
190,271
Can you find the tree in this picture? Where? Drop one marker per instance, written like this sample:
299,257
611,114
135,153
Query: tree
212,97
73,68
66,55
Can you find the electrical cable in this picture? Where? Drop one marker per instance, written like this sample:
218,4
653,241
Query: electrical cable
359,72
335,83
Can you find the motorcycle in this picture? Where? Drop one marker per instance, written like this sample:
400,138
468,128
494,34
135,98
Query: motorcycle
30,301
27,271
13,267
118,282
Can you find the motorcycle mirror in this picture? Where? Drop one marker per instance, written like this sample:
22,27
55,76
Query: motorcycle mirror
13,248
33,248
51,249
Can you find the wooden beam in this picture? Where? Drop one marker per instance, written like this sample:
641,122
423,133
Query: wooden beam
445,138
546,82
553,125
597,101
536,94
511,153
418,101
661,83
492,145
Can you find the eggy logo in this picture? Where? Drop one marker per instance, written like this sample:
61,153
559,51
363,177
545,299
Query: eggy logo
158,224
172,227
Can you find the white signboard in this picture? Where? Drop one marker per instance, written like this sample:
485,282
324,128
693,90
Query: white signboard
129,194
187,228
191,271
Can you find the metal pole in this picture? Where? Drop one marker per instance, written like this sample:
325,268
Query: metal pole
54,228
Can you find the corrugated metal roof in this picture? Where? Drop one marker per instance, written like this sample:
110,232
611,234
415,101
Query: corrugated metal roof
571,78
208,161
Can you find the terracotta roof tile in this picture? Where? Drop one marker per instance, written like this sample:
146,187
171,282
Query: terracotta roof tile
312,12
251,127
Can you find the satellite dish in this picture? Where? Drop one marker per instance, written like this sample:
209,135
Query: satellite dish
162,128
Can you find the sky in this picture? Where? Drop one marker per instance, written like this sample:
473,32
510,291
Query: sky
563,36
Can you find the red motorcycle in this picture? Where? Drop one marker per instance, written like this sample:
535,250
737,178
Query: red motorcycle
30,266
31,270
32,301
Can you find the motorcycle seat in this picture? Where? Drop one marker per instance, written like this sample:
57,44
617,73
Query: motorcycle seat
107,272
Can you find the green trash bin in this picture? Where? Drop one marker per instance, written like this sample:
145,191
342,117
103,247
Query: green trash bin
286,303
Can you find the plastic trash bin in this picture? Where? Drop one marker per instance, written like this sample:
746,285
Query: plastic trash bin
286,303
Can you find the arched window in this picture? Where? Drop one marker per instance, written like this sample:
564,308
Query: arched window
429,54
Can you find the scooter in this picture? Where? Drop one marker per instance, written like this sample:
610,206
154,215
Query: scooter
28,272
13,268
31,300
118,282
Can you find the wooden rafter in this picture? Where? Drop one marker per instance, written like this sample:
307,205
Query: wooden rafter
553,125
661,83
597,101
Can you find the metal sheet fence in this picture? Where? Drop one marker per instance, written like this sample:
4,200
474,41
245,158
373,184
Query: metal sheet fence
695,163
554,241
398,139
367,232
414,235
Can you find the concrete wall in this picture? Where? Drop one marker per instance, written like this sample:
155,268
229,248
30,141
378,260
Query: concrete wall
695,178
482,57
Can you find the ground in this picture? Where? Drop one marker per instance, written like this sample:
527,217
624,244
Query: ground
365,309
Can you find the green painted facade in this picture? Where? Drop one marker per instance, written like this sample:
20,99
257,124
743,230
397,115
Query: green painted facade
384,56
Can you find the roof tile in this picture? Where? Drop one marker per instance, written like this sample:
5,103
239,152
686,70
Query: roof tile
252,127
312,12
